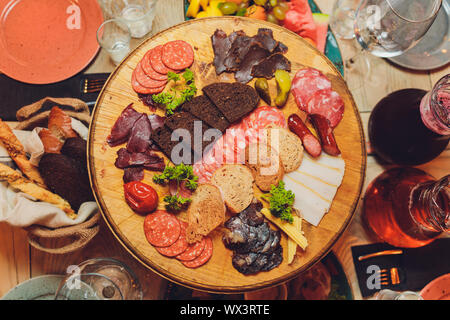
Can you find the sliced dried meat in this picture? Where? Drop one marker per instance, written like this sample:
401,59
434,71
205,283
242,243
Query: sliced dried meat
177,55
203,257
267,67
145,81
237,52
133,174
148,69
161,228
221,44
193,251
256,53
265,37
156,61
306,83
178,246
147,159
139,140
122,127
327,103
156,121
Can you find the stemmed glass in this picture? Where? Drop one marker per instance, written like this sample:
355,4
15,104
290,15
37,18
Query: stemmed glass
100,279
385,28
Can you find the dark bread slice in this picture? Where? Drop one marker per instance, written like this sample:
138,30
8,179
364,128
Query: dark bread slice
185,120
63,176
162,136
234,100
202,108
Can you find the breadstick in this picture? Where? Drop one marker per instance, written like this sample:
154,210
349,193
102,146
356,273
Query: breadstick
17,153
17,181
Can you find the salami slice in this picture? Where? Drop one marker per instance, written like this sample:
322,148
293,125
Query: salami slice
156,61
193,251
203,257
264,116
145,80
148,69
161,228
137,87
178,246
327,103
305,83
177,55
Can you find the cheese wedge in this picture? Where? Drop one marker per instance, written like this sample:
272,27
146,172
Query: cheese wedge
291,231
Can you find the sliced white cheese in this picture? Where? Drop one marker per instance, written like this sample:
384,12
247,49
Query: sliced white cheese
315,184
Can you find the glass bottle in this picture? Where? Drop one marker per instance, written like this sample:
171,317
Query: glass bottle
406,207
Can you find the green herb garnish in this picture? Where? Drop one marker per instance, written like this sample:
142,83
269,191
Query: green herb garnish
179,173
281,201
182,91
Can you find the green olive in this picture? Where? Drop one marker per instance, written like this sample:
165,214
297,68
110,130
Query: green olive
273,3
283,80
260,2
262,87
228,8
279,13
284,6
271,18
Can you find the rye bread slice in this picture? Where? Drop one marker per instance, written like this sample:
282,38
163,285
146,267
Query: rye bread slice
162,137
265,165
235,181
185,120
234,100
206,212
202,108
288,145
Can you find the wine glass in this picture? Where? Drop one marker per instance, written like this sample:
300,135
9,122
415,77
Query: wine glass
386,28
100,279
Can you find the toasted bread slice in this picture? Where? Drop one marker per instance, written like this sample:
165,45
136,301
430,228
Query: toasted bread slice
235,181
206,212
288,146
265,164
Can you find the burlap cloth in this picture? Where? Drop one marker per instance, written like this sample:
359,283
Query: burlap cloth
77,236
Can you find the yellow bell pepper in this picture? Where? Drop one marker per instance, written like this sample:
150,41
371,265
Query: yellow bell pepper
202,14
204,4
213,8
193,8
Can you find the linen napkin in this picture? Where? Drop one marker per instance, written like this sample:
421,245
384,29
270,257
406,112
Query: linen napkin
21,210
417,266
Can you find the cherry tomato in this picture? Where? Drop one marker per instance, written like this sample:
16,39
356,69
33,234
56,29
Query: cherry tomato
141,197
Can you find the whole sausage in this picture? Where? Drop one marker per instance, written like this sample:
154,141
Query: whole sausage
310,142
325,132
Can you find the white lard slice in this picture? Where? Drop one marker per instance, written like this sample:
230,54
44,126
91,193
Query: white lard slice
315,184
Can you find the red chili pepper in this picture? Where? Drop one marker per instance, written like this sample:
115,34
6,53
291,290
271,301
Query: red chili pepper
141,197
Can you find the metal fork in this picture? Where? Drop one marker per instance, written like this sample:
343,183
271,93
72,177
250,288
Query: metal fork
389,276
93,85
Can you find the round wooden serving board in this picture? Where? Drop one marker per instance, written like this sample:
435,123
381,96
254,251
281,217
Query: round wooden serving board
218,275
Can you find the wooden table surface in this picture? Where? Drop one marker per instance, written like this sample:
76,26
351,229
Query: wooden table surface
19,261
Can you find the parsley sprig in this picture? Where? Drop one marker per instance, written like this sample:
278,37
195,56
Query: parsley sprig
181,92
179,173
281,201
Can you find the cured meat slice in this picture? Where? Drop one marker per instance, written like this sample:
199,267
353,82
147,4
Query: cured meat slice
256,53
127,159
221,44
133,174
123,125
203,257
156,61
327,103
148,69
137,87
305,83
177,55
178,246
264,116
267,67
145,81
193,251
161,228
139,140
